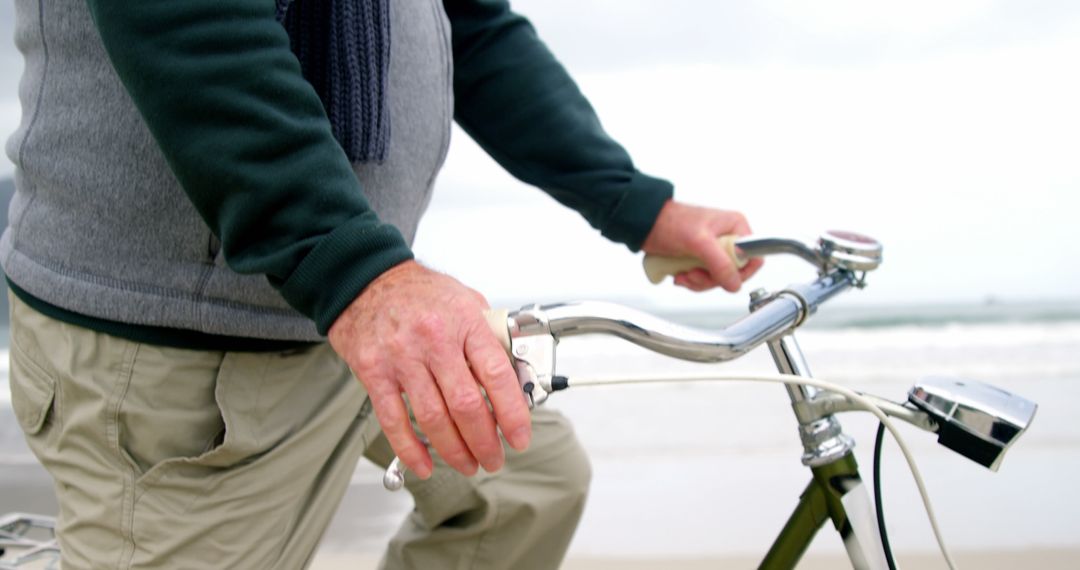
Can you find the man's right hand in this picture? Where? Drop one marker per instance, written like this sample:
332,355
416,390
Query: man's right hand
420,333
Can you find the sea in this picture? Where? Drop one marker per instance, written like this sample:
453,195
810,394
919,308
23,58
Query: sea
706,469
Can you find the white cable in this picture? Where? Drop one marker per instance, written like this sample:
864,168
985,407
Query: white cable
792,379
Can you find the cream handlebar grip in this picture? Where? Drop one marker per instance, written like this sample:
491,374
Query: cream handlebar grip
496,319
657,267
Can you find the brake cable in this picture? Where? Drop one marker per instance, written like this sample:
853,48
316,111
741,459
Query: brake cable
878,440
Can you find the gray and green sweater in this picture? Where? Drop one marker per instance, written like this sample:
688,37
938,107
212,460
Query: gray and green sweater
178,182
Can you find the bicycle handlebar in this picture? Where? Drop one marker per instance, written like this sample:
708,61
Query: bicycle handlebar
535,330
834,248
837,255
771,317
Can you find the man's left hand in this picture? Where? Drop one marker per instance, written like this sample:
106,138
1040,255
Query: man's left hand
685,230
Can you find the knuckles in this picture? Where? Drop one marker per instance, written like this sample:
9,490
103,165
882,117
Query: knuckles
430,326
702,241
466,401
366,361
431,418
494,369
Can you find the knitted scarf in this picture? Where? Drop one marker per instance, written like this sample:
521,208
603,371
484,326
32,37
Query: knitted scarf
344,52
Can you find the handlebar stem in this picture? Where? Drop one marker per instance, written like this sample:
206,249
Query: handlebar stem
826,403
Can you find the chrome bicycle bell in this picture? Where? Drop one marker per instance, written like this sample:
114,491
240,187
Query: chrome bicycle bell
850,250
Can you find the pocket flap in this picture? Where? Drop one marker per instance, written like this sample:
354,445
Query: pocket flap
32,391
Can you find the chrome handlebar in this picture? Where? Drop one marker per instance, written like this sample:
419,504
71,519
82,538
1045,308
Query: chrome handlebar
772,316
838,255
833,249
535,330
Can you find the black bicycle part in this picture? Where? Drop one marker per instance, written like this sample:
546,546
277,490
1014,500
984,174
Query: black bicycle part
877,497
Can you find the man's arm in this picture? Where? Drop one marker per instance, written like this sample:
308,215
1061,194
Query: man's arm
248,140
519,103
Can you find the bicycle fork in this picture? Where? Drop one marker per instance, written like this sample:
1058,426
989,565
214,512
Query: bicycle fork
836,490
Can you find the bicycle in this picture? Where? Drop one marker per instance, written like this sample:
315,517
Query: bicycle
30,540
974,419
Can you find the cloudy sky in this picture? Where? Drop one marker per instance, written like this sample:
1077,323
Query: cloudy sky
948,130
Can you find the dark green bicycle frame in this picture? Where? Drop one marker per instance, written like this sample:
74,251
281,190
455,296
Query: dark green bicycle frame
820,502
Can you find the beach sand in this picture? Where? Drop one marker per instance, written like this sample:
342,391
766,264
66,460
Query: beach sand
989,560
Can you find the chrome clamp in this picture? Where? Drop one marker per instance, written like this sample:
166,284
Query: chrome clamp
532,347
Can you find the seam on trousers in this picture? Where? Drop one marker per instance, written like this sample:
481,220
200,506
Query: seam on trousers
256,411
58,407
494,506
112,427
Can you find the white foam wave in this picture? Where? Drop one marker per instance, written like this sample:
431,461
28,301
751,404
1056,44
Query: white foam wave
12,460
995,335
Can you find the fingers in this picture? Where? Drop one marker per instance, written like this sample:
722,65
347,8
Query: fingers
722,269
684,230
450,407
490,366
393,416
731,223
729,275
407,332
697,280
467,409
751,268
430,410
492,369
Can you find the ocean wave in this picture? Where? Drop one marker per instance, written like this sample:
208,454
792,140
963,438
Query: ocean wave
899,316
17,460
948,335
994,351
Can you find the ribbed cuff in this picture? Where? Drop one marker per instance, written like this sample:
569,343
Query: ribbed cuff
334,273
635,214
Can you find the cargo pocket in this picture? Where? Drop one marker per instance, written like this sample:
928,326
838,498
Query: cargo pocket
33,391
171,412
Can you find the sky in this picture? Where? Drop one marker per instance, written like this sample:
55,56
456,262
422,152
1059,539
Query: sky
949,131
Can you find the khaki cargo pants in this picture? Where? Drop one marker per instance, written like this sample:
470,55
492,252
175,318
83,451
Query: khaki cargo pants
170,458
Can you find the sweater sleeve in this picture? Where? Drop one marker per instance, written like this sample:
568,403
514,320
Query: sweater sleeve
519,103
249,141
